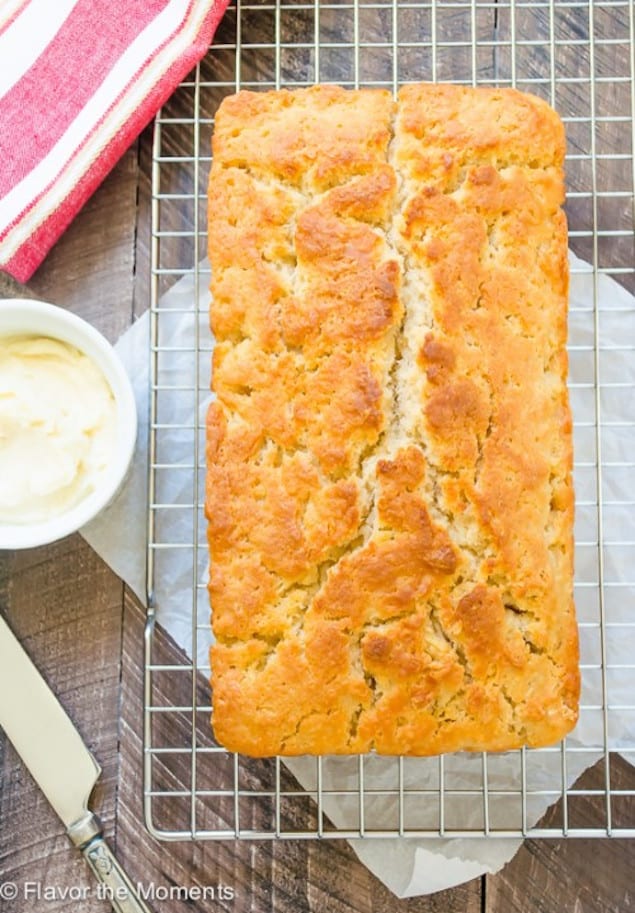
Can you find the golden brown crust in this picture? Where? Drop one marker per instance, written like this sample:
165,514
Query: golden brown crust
389,456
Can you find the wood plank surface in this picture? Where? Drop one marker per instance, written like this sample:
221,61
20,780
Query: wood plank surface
577,875
91,270
83,628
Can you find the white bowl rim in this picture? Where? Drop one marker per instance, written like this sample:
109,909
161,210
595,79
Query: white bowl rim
74,330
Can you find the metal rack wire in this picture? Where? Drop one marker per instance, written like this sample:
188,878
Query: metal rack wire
580,57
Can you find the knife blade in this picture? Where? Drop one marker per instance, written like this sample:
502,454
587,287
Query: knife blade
64,769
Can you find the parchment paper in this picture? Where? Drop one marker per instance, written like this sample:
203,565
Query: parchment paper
410,867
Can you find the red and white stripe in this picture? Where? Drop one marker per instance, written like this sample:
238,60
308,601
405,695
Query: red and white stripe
79,79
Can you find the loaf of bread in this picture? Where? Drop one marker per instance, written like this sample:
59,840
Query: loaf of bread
389,452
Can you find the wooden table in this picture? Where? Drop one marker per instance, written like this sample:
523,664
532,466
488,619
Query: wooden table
84,630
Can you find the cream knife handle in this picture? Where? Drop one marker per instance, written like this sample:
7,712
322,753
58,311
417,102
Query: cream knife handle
117,887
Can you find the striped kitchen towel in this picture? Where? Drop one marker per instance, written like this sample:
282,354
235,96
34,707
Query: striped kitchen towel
79,79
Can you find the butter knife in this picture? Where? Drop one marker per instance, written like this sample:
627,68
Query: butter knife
64,769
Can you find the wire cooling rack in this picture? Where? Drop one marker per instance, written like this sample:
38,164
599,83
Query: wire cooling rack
579,56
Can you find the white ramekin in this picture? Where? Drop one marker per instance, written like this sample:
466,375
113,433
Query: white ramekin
24,316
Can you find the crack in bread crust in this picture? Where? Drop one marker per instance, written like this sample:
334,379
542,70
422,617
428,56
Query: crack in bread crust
389,453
